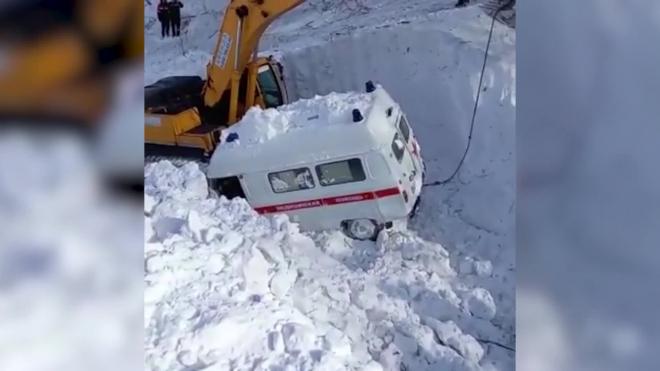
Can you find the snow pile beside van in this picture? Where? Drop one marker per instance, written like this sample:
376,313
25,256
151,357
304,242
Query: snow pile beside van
228,288
259,125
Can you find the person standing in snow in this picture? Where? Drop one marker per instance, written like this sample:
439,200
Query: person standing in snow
175,16
164,18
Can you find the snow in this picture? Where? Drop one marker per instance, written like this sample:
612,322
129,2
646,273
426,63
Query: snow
426,295
230,287
311,115
70,259
481,304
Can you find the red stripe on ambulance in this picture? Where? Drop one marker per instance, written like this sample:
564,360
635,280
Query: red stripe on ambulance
387,192
358,197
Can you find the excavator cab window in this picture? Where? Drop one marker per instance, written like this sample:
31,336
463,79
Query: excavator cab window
270,88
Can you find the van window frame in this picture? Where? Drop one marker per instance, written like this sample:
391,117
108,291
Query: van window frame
394,147
319,173
274,173
403,122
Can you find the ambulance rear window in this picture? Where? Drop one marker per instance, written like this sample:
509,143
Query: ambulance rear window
291,180
341,172
404,128
398,147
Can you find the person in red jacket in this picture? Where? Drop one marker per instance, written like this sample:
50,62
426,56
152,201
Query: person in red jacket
164,18
175,16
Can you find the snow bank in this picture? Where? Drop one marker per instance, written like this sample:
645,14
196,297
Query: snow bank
259,125
228,288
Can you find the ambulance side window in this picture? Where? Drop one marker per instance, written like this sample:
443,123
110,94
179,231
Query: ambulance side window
291,180
341,172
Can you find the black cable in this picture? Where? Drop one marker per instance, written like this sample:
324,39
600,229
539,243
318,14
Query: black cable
491,342
476,102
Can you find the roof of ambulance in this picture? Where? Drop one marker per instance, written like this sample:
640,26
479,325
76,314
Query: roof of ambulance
305,131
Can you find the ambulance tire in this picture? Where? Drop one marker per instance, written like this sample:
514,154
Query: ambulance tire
361,229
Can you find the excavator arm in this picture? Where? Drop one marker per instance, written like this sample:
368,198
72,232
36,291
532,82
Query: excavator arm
244,23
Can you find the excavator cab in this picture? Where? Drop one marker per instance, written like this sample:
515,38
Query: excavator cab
271,85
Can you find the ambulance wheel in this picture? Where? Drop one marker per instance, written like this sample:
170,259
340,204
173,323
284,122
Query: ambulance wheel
361,229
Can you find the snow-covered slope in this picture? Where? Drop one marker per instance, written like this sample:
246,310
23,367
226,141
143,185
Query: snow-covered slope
428,56
229,288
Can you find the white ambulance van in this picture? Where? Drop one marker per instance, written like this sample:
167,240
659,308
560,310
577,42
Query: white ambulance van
348,161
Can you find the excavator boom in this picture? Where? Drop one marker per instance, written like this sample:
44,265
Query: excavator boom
186,112
244,23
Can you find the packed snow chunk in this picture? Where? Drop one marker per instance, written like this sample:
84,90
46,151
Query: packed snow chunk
164,180
483,268
466,266
390,358
231,241
212,234
166,226
282,282
216,264
149,204
297,337
259,125
148,229
450,334
195,225
256,274
481,304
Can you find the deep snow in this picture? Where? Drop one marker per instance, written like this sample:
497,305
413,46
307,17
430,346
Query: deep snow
70,263
455,263
304,116
226,287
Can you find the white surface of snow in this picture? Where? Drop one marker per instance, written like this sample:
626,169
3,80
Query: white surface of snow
70,259
226,287
312,115
420,297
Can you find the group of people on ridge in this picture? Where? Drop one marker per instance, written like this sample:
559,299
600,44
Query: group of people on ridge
169,16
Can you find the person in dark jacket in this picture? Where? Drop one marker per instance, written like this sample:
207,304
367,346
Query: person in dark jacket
462,3
164,18
175,16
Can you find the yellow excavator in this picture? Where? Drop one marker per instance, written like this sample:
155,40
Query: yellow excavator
184,115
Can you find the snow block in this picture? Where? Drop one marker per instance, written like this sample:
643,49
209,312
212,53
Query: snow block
481,304
149,204
282,282
450,334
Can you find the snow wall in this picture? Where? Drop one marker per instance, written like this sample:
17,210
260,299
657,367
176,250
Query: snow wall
432,73
431,65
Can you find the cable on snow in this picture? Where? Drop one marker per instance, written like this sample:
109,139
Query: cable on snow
476,102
